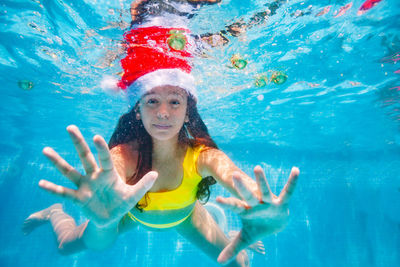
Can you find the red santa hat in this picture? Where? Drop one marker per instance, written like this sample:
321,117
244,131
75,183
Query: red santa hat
156,56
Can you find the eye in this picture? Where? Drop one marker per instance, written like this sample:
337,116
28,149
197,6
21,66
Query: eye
151,101
174,102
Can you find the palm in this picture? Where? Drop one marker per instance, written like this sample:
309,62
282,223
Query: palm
103,195
101,198
262,212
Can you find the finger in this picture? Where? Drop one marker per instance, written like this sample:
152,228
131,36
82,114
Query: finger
103,153
231,250
63,166
86,156
287,191
259,247
144,185
234,204
263,185
243,189
58,190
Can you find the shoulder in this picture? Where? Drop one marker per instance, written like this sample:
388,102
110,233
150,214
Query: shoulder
208,154
125,157
209,157
126,150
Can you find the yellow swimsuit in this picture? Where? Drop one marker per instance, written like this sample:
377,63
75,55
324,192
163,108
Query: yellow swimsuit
178,202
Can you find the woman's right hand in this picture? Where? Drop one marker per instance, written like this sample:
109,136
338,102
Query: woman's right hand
101,192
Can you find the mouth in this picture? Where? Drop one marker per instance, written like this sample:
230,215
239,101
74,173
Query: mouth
162,127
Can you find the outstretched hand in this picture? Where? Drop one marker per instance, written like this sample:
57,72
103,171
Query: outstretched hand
101,192
261,211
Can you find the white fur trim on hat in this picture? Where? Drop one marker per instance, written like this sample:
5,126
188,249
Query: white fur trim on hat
109,84
173,77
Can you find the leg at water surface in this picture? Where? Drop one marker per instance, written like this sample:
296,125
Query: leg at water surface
202,230
218,215
68,234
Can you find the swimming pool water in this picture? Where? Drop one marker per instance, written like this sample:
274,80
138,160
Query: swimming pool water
336,118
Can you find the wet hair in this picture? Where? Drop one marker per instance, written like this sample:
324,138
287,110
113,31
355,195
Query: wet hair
193,133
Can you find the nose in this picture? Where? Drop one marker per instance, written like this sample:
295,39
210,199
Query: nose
162,112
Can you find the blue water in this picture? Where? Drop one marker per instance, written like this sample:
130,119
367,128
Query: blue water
336,118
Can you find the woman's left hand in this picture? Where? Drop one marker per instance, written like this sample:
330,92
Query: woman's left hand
261,211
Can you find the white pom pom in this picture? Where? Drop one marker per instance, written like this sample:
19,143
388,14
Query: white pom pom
110,84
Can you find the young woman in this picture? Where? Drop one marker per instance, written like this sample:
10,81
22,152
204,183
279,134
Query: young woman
123,191
159,163
151,176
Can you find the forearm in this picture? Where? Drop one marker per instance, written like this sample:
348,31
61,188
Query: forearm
228,182
214,162
99,238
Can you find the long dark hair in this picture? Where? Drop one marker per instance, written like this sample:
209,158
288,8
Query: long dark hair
193,133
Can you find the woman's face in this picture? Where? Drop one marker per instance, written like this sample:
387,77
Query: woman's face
163,111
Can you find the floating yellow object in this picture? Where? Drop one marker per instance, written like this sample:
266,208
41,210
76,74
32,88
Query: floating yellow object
177,40
25,84
238,62
278,77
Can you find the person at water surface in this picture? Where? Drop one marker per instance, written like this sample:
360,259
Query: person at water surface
157,169
179,12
